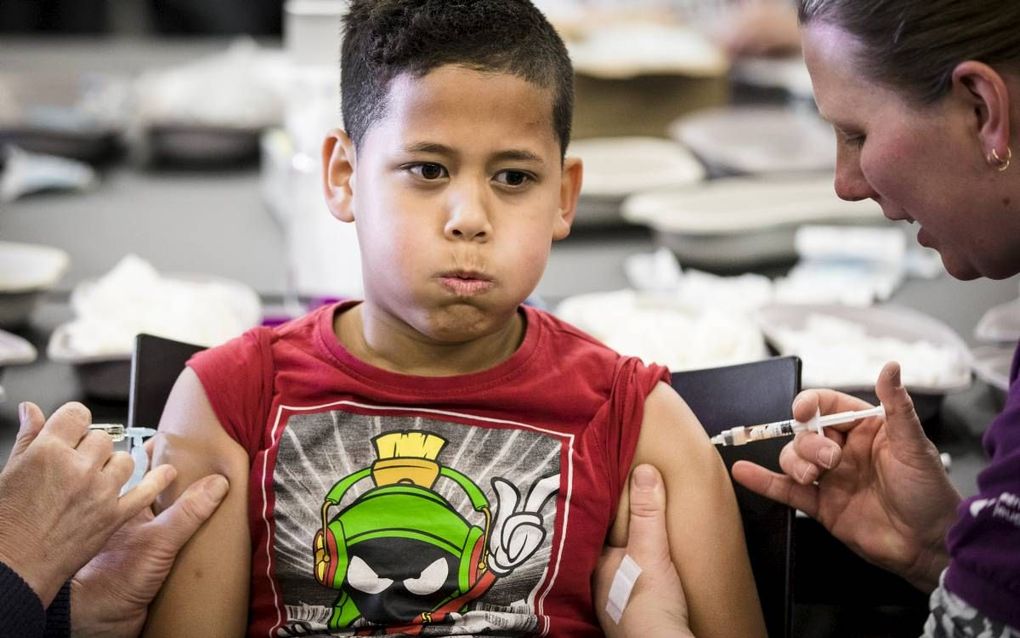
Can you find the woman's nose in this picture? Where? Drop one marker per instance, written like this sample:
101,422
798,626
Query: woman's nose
850,182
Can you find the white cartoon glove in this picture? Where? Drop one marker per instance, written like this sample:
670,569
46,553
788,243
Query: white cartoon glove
517,534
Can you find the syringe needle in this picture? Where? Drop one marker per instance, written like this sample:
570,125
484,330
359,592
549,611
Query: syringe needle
765,431
115,430
118,432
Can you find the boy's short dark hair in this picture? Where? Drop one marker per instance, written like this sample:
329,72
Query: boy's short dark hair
385,38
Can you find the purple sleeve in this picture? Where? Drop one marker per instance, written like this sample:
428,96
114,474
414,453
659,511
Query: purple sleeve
984,544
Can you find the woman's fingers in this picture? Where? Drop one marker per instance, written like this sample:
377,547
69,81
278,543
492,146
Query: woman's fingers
778,487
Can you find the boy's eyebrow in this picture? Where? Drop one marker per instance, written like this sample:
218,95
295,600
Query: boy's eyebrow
429,147
517,155
514,155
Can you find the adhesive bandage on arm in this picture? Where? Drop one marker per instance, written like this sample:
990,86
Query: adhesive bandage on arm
622,586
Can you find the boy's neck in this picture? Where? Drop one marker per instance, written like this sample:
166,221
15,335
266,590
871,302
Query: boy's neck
385,342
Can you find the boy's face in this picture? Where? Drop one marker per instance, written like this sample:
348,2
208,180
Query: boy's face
458,192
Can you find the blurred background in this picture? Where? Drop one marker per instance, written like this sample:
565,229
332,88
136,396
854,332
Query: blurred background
159,173
141,17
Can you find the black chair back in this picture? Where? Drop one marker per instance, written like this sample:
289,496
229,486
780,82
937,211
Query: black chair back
155,366
747,394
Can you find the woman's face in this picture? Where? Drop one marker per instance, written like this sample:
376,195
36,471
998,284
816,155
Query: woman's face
921,164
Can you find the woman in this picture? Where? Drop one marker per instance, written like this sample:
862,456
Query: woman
924,96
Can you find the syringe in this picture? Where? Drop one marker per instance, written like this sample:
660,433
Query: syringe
749,433
118,432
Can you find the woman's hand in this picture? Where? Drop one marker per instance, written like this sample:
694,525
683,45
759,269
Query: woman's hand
878,485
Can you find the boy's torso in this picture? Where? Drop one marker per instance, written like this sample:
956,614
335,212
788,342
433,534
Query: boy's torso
457,506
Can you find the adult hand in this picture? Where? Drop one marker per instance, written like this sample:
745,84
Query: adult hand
110,596
60,496
878,486
657,606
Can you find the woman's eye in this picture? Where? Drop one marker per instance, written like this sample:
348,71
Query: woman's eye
851,139
513,178
428,171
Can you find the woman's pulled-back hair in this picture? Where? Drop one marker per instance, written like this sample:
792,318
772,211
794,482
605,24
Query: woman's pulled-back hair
386,38
914,45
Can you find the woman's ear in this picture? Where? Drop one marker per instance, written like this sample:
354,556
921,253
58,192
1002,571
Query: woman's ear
338,164
984,90
570,188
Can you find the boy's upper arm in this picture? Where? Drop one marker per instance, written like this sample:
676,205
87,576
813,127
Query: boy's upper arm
705,533
206,593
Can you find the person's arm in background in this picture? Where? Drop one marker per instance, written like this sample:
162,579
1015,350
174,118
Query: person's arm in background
706,538
759,28
878,486
59,503
207,591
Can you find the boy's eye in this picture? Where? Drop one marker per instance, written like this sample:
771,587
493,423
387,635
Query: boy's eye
428,171
513,178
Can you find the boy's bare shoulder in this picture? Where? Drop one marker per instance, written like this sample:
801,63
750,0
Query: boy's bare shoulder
190,434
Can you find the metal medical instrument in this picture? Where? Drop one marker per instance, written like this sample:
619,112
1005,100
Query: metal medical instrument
138,454
118,432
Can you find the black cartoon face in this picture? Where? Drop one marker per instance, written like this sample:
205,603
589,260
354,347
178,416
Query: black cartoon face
419,576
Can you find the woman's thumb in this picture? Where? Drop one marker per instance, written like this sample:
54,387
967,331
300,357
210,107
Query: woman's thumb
902,425
31,420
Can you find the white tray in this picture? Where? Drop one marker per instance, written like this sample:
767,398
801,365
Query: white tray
902,324
737,206
739,222
615,167
14,350
992,365
1001,323
758,140
30,267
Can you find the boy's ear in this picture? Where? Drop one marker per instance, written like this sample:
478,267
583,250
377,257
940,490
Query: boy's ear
338,162
570,189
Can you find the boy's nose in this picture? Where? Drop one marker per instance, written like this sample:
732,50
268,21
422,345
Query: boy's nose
468,218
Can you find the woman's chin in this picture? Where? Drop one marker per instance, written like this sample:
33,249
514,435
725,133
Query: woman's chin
961,269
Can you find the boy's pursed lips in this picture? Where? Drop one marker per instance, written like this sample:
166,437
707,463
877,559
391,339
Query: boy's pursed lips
466,282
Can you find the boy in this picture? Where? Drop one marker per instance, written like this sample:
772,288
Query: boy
438,459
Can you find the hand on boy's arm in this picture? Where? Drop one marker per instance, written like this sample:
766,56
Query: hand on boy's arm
656,606
706,537
110,596
60,496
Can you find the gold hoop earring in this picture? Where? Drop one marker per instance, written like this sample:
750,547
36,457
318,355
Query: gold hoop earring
1001,163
